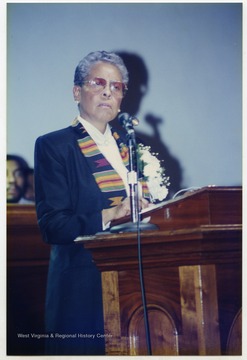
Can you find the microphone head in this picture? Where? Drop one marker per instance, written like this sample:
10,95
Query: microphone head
127,121
123,118
135,121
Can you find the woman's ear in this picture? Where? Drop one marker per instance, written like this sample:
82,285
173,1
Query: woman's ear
77,92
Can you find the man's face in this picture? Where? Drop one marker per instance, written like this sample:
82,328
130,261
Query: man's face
15,182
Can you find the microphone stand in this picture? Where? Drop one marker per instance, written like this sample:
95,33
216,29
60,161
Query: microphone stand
132,176
135,223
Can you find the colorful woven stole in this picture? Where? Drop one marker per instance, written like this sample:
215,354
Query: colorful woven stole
106,177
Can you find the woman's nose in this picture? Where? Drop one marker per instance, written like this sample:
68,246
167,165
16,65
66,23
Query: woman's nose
107,91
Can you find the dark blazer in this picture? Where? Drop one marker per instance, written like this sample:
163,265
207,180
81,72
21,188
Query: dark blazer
69,204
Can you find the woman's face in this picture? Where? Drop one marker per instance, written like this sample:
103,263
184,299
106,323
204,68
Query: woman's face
99,107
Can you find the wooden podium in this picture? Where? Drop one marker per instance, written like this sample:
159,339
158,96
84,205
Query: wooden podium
192,276
27,268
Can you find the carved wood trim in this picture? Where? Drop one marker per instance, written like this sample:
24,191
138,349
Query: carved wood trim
234,342
199,306
163,332
115,344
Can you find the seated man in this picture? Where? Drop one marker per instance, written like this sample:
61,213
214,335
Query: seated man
17,181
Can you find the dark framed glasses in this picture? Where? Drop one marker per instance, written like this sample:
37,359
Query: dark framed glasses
97,85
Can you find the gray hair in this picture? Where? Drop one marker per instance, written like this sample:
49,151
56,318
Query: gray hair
85,65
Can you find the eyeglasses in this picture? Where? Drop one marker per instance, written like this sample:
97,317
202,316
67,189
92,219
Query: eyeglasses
97,85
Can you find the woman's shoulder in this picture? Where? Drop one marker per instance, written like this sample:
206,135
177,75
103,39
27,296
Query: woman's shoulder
58,133
61,135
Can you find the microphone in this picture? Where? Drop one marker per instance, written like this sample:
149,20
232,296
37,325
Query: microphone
128,121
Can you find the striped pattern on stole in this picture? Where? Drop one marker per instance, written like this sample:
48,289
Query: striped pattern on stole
106,177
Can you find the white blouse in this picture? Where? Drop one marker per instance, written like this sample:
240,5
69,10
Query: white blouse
108,147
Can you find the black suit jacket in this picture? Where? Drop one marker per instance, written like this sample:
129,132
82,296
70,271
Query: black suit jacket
68,200
69,204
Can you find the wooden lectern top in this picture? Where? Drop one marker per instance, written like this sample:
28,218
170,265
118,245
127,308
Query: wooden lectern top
209,205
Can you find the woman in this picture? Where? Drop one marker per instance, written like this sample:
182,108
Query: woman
80,187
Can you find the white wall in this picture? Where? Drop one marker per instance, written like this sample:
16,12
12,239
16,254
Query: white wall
192,53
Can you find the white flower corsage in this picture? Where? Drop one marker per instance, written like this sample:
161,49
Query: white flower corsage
153,173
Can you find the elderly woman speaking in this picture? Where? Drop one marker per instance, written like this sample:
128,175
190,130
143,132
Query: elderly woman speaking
80,187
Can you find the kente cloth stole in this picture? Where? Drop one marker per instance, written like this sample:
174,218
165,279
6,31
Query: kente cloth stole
106,177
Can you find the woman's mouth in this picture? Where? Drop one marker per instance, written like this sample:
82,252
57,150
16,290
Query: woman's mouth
104,105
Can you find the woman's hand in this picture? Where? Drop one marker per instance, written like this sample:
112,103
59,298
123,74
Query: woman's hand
122,210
